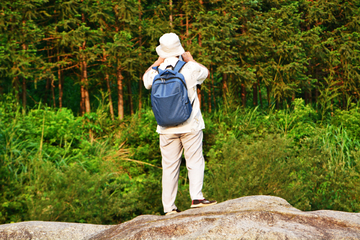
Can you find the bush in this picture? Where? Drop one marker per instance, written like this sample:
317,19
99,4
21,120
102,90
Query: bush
350,120
50,171
274,166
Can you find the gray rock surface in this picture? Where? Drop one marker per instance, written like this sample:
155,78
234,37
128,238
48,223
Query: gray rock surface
252,217
49,230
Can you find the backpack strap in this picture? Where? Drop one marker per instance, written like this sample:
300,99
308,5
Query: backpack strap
159,70
179,65
156,68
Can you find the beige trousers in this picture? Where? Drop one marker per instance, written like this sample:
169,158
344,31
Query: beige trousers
172,146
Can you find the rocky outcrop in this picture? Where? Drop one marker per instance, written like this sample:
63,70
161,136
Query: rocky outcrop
49,230
253,217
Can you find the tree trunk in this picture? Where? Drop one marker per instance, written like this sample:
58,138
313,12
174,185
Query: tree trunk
317,87
60,82
24,93
16,87
213,91
52,85
309,73
198,91
255,94
130,98
306,97
209,99
82,89
47,87
140,93
109,92
243,94
119,79
171,16
224,86
46,91
82,101
210,92
187,27
260,96
24,85
86,91
107,80
140,66
53,91
84,64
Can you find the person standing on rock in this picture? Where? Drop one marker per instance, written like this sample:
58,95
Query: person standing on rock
186,136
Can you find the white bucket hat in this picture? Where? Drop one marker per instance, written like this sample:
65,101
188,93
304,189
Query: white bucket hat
170,46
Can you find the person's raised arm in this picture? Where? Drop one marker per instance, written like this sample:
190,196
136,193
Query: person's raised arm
187,57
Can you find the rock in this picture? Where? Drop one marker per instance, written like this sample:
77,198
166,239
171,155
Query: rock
253,217
48,230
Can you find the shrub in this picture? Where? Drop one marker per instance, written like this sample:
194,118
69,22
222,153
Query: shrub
274,166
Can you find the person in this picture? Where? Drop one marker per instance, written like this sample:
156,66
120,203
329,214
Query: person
188,136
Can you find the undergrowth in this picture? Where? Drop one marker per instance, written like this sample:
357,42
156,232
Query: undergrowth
51,170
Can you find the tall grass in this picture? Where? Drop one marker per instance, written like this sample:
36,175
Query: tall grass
340,147
288,153
51,170
275,166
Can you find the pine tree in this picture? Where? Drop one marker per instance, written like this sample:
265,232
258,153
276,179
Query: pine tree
20,33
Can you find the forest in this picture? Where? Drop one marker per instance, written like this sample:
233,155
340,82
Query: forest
77,134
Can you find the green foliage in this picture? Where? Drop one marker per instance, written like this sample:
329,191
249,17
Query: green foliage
141,137
51,171
286,153
339,146
274,166
297,121
350,120
264,167
51,127
281,49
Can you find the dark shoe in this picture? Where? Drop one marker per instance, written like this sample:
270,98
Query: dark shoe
172,212
202,203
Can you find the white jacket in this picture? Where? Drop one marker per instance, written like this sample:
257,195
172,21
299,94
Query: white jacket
194,74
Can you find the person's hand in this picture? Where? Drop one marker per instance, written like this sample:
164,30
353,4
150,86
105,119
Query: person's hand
157,63
187,57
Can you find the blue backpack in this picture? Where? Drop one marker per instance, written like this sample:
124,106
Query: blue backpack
169,96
